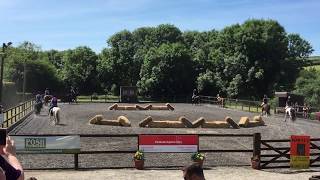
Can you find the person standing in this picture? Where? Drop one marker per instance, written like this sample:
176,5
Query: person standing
193,172
10,167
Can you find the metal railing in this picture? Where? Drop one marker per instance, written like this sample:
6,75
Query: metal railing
17,113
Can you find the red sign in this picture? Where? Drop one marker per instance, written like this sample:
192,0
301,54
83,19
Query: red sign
300,146
168,143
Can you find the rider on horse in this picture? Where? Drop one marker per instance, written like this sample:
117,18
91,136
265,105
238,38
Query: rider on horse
195,97
53,103
265,107
46,92
264,100
38,103
289,102
38,98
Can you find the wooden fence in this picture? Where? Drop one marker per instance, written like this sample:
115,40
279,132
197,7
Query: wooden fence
17,113
76,155
276,153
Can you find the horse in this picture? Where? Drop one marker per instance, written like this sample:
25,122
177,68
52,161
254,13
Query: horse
195,100
55,115
72,97
46,99
38,107
265,110
291,112
220,101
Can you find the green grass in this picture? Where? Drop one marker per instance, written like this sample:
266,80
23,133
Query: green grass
243,107
317,67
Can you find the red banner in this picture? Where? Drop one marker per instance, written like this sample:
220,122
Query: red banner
168,143
300,146
168,139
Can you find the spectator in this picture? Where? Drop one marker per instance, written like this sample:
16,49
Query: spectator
2,175
193,172
9,163
305,110
296,106
32,178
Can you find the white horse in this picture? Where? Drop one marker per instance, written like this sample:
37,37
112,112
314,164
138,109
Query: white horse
55,115
291,112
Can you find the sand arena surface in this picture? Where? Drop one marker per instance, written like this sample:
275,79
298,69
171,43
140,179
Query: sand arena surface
75,117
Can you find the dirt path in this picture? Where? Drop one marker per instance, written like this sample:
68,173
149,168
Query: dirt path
217,173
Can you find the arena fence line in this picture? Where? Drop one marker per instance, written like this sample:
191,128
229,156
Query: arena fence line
17,113
276,153
76,155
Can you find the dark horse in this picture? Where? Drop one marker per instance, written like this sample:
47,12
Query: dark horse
38,107
195,100
265,110
72,97
46,99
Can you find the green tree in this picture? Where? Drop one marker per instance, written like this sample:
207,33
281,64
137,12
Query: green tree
80,69
308,85
298,47
40,73
167,71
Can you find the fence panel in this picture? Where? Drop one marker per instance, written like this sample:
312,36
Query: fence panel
15,114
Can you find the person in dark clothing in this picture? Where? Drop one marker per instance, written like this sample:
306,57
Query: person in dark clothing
38,104
46,92
193,172
10,167
38,98
195,97
265,100
53,103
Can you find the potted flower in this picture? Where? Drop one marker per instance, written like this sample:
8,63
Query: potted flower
139,159
198,158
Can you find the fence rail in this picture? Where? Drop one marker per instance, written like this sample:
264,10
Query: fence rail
280,155
76,155
15,114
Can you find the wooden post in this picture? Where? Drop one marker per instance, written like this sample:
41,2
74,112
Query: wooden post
257,148
76,161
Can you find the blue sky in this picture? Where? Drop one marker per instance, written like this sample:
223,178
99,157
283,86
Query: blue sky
64,24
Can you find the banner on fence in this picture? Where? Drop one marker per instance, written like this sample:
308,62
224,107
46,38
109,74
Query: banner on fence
168,143
300,152
47,144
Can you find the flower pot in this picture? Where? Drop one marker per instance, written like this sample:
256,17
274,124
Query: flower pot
139,164
200,162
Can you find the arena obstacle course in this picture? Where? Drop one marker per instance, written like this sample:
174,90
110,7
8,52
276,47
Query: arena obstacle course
120,121
167,106
246,122
226,123
182,122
